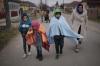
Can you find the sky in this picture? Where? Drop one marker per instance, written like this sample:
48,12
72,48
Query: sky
51,2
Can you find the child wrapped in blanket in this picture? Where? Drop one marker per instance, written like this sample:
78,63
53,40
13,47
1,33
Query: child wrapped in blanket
38,34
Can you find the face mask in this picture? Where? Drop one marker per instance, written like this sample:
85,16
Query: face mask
58,16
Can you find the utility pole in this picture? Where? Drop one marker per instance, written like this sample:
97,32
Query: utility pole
8,21
46,4
41,4
63,4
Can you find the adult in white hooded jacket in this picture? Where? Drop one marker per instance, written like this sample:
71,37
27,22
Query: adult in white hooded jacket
79,22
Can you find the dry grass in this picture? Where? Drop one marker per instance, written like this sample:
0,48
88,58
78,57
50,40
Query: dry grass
5,36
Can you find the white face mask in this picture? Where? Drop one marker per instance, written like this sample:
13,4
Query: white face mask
57,16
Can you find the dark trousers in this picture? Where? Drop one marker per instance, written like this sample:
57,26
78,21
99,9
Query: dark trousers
39,52
79,32
39,45
59,43
42,18
24,44
47,18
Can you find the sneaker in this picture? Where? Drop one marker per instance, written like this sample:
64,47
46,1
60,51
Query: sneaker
29,53
37,57
76,50
25,55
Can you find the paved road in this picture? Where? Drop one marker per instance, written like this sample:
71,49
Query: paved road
89,54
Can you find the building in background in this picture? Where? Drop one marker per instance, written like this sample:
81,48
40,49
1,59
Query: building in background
2,12
14,8
26,5
68,7
93,8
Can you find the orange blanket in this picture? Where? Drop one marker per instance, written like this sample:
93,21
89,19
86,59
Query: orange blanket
30,38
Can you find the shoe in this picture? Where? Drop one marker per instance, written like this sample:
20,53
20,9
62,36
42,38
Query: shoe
77,50
29,53
80,42
40,58
57,56
25,55
61,52
37,57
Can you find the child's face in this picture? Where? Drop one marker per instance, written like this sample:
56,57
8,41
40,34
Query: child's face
25,18
58,15
34,29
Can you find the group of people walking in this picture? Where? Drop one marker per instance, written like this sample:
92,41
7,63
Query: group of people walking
33,32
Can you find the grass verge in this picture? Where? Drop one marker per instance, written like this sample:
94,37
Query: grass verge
5,36
95,20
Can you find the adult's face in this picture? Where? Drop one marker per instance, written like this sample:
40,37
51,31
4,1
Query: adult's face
80,8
